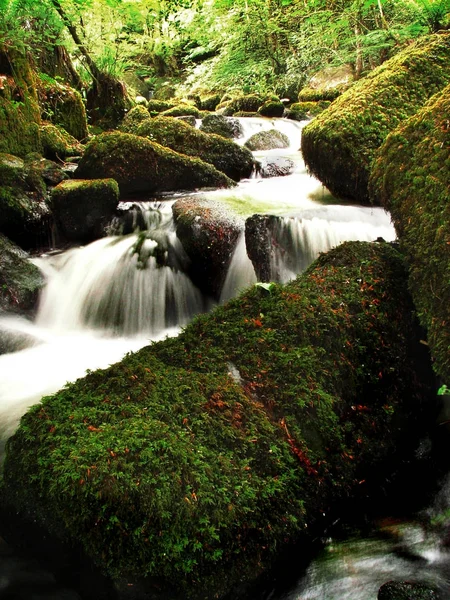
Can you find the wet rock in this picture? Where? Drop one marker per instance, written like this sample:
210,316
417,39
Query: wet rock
209,235
20,280
227,127
83,208
267,140
276,166
404,590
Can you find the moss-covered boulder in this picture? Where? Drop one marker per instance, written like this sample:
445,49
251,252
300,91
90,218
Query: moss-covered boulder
225,155
208,234
156,107
57,143
188,466
305,110
19,108
181,110
248,103
227,127
411,178
271,108
20,280
133,119
23,211
142,166
63,106
83,208
339,145
210,102
267,140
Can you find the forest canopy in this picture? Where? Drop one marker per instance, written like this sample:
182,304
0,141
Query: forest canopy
220,45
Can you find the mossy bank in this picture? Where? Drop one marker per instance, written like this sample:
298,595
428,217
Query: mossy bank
339,145
411,177
191,464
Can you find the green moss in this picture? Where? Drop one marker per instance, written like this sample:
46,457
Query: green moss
133,119
155,107
225,155
271,108
195,460
63,106
310,109
142,166
411,178
57,143
181,110
210,102
313,95
19,109
339,145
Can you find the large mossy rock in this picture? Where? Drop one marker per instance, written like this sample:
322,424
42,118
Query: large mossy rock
339,145
19,108
225,155
63,106
142,166
133,119
188,466
411,178
23,210
83,208
208,234
20,280
57,143
227,127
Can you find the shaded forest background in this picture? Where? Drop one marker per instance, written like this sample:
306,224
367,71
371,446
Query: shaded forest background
179,47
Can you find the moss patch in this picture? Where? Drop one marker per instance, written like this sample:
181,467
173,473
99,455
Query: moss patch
411,177
195,460
225,155
140,165
339,145
57,143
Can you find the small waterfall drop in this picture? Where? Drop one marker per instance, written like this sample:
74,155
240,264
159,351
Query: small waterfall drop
241,273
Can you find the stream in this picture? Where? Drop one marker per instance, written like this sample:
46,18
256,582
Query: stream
104,300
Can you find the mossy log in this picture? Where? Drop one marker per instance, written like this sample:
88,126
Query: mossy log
339,145
188,466
225,155
142,166
411,178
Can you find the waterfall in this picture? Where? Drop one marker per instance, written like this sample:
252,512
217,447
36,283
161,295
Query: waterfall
298,241
240,274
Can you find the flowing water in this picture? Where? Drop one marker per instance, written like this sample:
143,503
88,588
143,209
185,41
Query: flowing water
118,293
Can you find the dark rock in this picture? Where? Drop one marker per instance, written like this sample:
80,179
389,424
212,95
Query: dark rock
276,166
209,236
227,127
20,280
83,208
404,590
